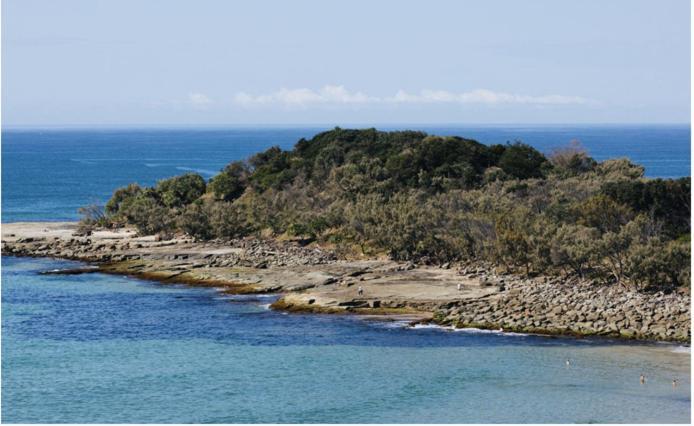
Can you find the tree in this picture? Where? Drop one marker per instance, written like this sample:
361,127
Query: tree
659,266
666,200
523,161
148,215
573,246
231,182
603,213
435,199
179,191
195,221
120,199
572,160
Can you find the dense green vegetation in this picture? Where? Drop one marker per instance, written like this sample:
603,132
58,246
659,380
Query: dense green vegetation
436,199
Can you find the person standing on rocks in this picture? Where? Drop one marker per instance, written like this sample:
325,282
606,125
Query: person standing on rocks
460,286
360,291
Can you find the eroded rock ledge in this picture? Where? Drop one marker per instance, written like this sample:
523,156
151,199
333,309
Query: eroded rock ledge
312,280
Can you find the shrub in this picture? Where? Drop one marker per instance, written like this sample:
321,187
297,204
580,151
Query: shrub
659,266
120,200
573,247
148,215
228,220
438,199
666,200
195,221
572,160
523,161
179,191
231,182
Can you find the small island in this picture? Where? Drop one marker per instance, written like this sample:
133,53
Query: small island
441,229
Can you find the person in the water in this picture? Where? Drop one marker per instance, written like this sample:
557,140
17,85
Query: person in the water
674,383
642,379
568,363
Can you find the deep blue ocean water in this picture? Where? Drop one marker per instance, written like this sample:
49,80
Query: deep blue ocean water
100,348
47,175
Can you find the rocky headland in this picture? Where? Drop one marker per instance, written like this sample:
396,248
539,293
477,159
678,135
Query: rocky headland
312,279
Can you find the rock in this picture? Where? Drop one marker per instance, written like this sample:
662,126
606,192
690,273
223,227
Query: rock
354,304
329,281
627,333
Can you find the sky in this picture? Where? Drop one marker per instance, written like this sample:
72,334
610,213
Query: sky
221,63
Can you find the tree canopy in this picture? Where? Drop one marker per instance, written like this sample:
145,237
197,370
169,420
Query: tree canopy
436,199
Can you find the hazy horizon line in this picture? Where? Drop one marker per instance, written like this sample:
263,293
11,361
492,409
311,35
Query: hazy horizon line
164,126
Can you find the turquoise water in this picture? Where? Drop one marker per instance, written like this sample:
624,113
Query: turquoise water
100,348
48,174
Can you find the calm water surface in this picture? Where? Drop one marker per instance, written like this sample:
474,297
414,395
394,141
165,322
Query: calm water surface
100,348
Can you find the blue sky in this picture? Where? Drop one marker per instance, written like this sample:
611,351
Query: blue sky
187,63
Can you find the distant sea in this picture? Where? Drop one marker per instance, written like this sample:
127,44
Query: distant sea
98,348
48,174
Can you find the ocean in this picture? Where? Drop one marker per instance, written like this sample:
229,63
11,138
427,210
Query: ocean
99,348
49,174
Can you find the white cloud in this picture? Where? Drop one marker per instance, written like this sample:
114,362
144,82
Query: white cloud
304,97
199,100
338,95
483,96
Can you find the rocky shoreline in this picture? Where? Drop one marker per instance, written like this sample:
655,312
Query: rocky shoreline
312,279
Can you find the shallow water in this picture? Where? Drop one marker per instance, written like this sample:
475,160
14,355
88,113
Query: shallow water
49,174
101,348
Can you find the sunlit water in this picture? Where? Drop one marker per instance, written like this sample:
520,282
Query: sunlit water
98,348
48,174
101,348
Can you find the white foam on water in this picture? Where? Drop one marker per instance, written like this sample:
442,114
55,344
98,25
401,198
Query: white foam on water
265,306
393,324
682,350
201,171
469,330
82,161
250,297
482,331
431,326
